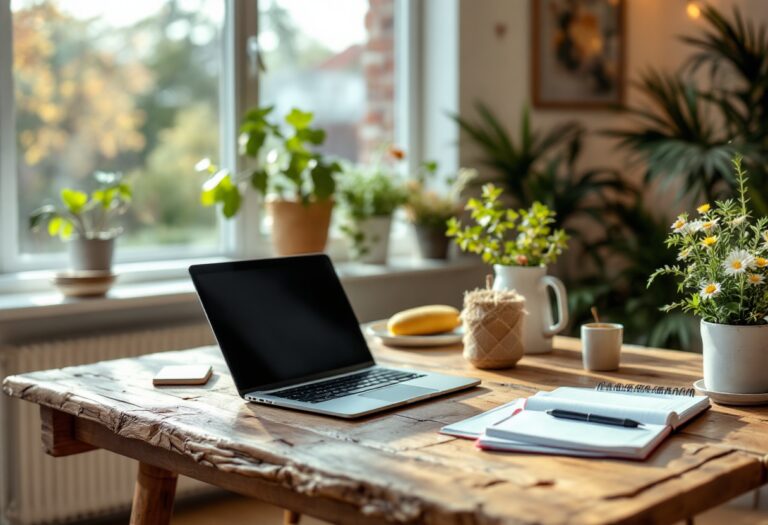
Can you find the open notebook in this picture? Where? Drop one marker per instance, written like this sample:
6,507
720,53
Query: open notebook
658,413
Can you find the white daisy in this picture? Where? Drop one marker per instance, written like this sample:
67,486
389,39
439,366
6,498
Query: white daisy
709,225
679,226
761,262
684,253
738,220
709,290
695,226
738,262
755,279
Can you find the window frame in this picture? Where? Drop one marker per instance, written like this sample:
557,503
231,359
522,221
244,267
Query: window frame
240,237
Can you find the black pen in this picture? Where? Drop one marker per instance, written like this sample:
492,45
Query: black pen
594,418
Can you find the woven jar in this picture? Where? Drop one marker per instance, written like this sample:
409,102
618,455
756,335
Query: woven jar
493,327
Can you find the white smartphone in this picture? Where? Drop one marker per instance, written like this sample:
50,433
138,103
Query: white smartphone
183,375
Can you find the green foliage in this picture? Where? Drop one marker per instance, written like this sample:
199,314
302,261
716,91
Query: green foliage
504,236
689,132
428,207
285,163
723,259
87,215
365,193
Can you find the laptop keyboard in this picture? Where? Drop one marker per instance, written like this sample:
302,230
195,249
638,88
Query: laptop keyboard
346,386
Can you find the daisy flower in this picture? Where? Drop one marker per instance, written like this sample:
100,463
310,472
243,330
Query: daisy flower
679,225
694,226
755,279
765,239
704,208
737,262
760,262
738,220
684,253
708,225
709,241
709,290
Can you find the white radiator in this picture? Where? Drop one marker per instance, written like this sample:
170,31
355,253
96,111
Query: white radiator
41,489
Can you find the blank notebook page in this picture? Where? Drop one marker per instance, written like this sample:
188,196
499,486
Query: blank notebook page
542,429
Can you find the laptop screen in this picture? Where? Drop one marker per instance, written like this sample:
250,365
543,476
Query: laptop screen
280,320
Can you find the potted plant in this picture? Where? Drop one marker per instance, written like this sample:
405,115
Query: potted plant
723,261
85,221
519,244
429,210
368,198
297,181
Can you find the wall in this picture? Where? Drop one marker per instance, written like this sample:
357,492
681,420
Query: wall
495,68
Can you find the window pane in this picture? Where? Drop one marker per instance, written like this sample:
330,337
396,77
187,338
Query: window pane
119,86
336,59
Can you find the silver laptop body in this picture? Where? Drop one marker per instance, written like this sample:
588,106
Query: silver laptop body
291,339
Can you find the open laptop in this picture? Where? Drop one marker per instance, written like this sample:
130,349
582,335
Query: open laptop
290,338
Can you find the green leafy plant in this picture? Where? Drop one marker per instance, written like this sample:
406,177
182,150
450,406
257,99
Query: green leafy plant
89,216
723,258
428,207
364,193
688,132
286,164
508,237
542,167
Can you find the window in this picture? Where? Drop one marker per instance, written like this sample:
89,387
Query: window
149,87
131,87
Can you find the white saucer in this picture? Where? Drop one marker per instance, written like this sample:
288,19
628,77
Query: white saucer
379,330
725,398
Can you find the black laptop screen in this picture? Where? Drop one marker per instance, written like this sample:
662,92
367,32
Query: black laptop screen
279,320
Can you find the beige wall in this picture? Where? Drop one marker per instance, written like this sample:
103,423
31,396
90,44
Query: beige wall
496,69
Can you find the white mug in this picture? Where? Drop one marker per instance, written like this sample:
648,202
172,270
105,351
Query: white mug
601,345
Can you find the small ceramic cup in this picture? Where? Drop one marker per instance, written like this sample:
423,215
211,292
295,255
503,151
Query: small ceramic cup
601,345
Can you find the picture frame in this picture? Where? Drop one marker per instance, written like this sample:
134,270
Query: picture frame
578,53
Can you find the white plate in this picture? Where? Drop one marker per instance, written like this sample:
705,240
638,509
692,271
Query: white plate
725,398
379,330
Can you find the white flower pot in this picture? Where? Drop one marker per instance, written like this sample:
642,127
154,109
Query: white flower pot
91,254
735,358
375,241
532,282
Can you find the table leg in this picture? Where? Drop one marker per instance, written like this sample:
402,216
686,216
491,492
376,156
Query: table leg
153,496
291,517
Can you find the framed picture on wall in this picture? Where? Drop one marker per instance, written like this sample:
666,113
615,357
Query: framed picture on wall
578,53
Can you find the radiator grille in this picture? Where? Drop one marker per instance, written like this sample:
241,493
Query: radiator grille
43,489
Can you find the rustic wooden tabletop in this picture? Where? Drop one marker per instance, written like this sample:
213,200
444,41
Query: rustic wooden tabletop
395,467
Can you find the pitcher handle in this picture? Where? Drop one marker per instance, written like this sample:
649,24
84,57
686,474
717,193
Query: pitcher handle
561,296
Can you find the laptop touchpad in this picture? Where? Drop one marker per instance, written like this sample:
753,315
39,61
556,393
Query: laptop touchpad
397,392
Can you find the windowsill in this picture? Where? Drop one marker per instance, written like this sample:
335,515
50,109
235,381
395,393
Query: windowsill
172,289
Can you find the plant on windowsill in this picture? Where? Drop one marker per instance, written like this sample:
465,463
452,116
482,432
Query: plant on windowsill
519,244
429,211
369,196
297,181
86,221
721,275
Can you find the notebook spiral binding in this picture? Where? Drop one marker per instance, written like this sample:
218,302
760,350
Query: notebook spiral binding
645,389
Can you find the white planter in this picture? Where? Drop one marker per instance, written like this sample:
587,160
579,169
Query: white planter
532,282
91,254
735,358
375,242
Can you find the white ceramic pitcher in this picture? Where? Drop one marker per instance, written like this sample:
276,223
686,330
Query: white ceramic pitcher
532,283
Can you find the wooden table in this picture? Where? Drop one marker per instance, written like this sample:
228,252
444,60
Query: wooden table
394,467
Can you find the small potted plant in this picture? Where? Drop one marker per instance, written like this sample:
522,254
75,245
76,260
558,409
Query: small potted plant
429,210
86,221
721,275
369,196
520,244
297,181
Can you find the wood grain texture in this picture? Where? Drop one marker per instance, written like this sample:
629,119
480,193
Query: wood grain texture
394,467
153,496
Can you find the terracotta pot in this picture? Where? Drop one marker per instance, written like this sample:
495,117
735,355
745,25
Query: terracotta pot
299,228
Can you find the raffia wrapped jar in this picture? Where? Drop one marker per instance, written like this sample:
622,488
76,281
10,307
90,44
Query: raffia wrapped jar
493,327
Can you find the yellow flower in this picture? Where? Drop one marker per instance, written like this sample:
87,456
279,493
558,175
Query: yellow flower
704,208
708,225
709,241
761,262
755,279
679,225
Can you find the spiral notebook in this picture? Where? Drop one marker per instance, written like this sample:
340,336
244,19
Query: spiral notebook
533,430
